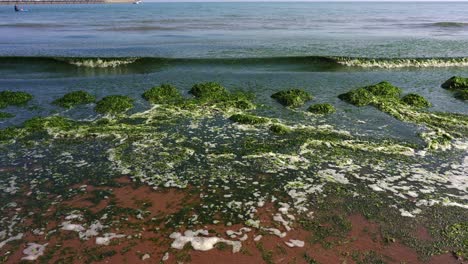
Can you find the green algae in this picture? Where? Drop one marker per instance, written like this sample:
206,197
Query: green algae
366,95
8,98
279,129
4,115
322,109
357,97
384,89
456,83
208,91
114,104
443,127
292,98
415,100
75,98
248,119
458,233
462,94
163,94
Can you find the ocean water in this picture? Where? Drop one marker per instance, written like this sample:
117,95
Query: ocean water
324,48
237,30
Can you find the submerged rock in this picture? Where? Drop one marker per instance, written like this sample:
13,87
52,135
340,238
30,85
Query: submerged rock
14,98
114,104
456,83
322,109
292,98
163,94
415,100
75,98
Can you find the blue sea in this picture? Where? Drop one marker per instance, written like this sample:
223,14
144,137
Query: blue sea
324,48
207,30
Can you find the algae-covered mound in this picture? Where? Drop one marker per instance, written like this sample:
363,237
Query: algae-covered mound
209,90
248,119
4,115
292,98
385,89
321,109
215,95
75,98
14,98
279,129
37,124
114,104
456,83
365,95
415,100
357,97
163,94
462,95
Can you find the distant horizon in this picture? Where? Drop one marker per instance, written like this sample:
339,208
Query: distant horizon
291,1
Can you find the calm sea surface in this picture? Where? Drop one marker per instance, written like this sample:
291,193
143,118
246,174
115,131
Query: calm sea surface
237,30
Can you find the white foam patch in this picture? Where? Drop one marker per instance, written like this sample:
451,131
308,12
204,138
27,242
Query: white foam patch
33,251
294,243
199,242
106,238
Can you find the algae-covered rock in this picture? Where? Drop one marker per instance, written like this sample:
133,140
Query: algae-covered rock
292,98
4,115
456,83
357,97
279,129
248,119
462,94
114,104
209,90
415,100
75,98
321,109
163,94
14,98
385,89
36,124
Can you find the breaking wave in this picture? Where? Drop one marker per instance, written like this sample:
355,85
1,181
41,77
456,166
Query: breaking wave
321,61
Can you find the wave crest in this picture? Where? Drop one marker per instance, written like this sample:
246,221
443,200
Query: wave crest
403,62
98,62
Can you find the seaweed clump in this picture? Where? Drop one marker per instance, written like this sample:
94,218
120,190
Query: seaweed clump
214,94
163,94
248,119
209,90
4,115
462,94
114,104
14,98
455,83
322,109
75,98
292,98
279,129
415,100
357,97
384,89
365,95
